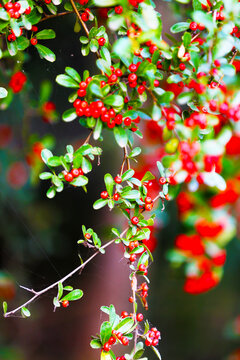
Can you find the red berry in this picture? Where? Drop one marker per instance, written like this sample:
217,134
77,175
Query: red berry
113,78
75,172
182,66
118,9
85,16
133,68
142,267
28,10
131,299
125,341
133,257
116,197
101,41
112,340
148,342
88,236
68,177
201,27
104,194
127,121
118,179
162,180
156,83
132,77
33,41
118,72
124,314
65,303
141,89
148,200
155,342
118,119
193,26
135,220
106,347
139,317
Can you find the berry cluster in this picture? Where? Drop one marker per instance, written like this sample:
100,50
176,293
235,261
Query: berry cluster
152,337
74,173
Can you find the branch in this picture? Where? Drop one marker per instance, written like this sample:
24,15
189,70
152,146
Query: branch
39,293
47,17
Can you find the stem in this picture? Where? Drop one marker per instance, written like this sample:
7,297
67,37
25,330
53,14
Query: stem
134,289
55,15
88,138
125,158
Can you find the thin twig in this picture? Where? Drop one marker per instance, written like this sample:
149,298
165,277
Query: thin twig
88,138
47,17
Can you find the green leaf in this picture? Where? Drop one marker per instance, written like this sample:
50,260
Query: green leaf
120,135
69,115
96,344
46,53
94,88
67,81
60,290
54,161
114,100
156,352
45,175
105,54
99,204
4,15
125,325
123,49
25,312
97,130
3,93
135,152
73,73
45,155
51,192
128,174
105,331
103,66
109,182
4,307
94,45
22,43
179,27
73,295
46,34
148,176
105,3
131,195
81,180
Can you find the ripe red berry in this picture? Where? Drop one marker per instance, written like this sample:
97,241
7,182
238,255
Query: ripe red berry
116,197
156,83
112,79
142,267
27,11
101,41
133,68
118,9
135,220
141,89
68,177
162,180
148,200
133,257
132,77
148,342
131,299
85,16
118,72
139,317
201,27
193,26
155,342
88,236
127,121
75,172
104,194
118,119
124,314
107,347
118,179
65,303
148,207
33,41
112,340
125,341
182,66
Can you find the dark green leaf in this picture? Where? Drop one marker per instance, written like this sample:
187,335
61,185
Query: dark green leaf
73,295
46,53
46,34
